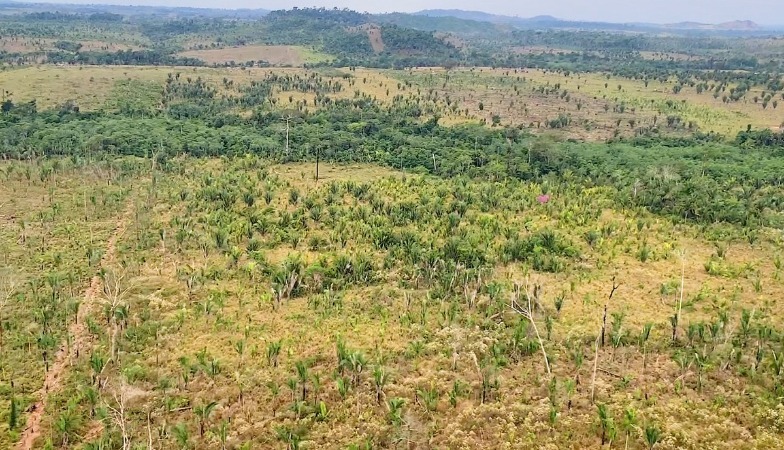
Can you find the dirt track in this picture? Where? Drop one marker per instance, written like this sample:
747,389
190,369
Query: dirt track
53,381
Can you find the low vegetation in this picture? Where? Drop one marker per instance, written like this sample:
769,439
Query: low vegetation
554,249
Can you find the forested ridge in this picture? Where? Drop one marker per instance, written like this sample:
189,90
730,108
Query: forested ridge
407,43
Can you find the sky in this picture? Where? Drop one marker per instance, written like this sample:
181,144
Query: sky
766,12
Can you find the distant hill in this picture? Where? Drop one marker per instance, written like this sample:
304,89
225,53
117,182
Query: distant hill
25,7
441,24
554,22
434,20
737,25
537,22
480,16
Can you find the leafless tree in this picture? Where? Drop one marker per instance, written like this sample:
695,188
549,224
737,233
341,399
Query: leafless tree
528,310
115,291
9,284
118,413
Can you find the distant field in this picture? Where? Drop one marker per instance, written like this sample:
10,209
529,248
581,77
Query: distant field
279,55
28,45
596,106
668,56
537,49
91,86
707,112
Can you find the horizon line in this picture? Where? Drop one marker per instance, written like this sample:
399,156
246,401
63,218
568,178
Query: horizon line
766,26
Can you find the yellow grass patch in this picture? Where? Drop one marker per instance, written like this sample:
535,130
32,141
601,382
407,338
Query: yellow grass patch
710,114
279,55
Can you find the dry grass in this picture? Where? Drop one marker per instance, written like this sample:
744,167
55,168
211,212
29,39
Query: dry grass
710,114
278,55
378,85
46,229
91,86
302,175
373,320
669,56
30,45
514,96
538,49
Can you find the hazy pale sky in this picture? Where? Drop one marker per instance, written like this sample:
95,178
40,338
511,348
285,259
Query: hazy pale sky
660,11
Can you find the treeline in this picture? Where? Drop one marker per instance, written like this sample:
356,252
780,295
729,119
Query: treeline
762,138
122,57
698,180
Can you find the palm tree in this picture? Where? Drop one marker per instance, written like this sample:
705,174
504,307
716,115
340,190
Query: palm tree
222,433
181,435
395,406
605,422
652,436
273,350
274,391
302,374
97,363
91,395
629,423
292,385
66,425
164,384
203,414
315,381
357,361
380,378
290,436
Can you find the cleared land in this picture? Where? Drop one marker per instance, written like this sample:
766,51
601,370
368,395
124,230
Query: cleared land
708,112
593,106
584,106
363,348
278,55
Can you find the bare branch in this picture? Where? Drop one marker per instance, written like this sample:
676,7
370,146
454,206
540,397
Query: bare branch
118,413
528,313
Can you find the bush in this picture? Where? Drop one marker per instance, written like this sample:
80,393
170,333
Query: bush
544,250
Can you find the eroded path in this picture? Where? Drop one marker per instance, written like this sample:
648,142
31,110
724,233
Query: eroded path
79,335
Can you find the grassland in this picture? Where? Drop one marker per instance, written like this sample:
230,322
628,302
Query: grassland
177,271
597,106
92,87
31,45
708,112
277,55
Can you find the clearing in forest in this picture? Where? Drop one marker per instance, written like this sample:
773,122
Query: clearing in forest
277,55
376,40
